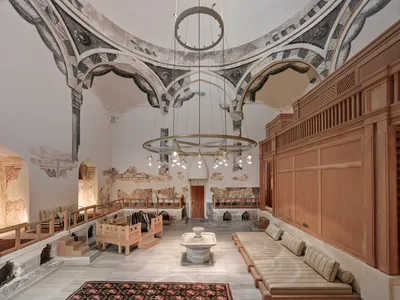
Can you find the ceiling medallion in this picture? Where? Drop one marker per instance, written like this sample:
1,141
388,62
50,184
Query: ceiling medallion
199,10
82,37
199,144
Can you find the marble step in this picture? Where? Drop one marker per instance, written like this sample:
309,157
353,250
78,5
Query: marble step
87,258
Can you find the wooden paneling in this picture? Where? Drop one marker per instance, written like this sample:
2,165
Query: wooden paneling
342,153
307,159
307,202
285,200
336,163
342,208
285,163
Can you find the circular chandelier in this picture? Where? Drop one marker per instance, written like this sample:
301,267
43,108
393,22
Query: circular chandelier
219,146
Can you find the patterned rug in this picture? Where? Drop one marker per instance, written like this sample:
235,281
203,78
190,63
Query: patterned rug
104,290
10,243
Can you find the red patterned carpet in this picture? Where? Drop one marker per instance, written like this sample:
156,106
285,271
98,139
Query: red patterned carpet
103,290
10,243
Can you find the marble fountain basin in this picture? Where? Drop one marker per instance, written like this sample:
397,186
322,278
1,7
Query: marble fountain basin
198,245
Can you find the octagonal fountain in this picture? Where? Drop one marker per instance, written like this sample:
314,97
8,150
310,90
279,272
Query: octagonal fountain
198,244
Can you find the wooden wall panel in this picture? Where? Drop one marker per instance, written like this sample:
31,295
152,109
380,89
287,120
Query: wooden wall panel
342,208
307,199
285,196
342,153
307,159
285,163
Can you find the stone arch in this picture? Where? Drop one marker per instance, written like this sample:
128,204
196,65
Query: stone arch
14,188
178,92
88,184
313,60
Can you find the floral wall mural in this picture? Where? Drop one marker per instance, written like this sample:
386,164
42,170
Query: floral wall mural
87,188
55,163
13,209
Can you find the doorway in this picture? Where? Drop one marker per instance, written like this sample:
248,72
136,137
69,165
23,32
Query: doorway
197,196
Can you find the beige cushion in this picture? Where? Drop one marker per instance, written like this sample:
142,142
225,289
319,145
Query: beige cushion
60,215
345,276
293,244
324,265
274,232
283,272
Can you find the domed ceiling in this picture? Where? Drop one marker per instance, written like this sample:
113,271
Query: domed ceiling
153,20
134,40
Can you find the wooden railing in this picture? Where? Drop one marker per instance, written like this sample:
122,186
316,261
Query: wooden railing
37,231
229,202
341,111
162,203
43,229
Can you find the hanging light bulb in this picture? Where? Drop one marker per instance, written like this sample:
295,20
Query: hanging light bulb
179,161
226,159
174,154
159,164
199,160
240,162
224,156
249,158
149,158
184,164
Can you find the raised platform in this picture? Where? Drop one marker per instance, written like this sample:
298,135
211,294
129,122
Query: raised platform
85,259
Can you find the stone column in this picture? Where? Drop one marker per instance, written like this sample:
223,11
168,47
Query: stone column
77,100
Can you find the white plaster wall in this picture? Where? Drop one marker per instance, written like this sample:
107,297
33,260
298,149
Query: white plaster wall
371,283
36,111
136,126
376,25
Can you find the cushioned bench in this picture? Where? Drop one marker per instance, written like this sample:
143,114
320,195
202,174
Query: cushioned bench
280,274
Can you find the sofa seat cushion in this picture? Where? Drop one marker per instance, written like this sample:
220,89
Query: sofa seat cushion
290,275
283,272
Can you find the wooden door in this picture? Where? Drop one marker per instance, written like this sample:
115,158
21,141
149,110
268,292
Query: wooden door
197,194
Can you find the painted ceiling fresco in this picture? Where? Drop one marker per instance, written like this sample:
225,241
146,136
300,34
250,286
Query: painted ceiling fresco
86,44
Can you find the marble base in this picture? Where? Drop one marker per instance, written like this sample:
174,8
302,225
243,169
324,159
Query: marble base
198,256
185,262
21,283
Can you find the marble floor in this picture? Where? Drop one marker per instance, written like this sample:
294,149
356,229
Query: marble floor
160,263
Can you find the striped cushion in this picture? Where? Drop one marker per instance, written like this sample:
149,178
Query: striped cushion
322,264
274,232
345,276
293,244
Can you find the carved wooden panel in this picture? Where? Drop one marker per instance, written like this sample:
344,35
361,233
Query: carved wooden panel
328,95
346,83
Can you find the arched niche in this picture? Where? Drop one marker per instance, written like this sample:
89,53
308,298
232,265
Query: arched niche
14,188
280,84
88,184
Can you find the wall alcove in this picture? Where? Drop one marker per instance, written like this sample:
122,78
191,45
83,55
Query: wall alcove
88,184
14,188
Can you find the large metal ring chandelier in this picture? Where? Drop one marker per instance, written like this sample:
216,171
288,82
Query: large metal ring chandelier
200,144
199,10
